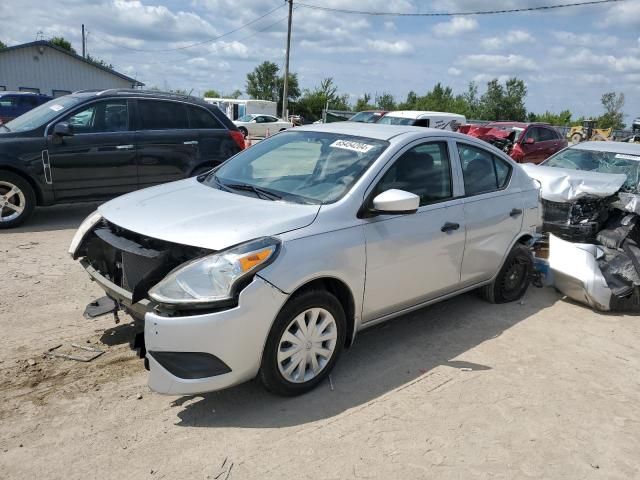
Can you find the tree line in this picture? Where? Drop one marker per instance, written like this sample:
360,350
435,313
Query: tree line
498,101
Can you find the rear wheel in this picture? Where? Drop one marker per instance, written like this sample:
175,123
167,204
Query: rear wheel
512,281
304,343
17,200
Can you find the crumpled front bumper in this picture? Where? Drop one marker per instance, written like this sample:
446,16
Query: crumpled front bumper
234,337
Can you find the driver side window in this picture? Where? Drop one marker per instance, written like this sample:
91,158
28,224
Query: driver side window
107,116
424,170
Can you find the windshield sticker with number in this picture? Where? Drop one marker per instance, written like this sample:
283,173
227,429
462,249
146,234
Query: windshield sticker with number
349,145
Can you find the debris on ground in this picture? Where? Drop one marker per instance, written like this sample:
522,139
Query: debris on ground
94,353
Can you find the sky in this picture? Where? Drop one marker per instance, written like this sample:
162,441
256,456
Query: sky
567,57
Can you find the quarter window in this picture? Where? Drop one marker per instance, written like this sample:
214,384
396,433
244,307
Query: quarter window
158,115
424,170
108,116
483,172
202,118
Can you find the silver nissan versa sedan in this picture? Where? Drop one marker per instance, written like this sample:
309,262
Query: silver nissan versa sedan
270,264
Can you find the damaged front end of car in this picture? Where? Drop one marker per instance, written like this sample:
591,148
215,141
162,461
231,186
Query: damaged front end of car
499,138
592,225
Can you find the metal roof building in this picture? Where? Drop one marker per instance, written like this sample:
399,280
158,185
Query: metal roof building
45,68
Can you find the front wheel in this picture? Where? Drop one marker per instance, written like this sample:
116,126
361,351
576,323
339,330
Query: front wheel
512,281
304,343
576,138
17,200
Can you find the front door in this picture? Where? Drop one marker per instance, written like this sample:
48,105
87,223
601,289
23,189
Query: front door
493,212
416,257
99,159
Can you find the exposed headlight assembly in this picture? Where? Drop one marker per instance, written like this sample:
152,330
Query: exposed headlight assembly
84,228
215,278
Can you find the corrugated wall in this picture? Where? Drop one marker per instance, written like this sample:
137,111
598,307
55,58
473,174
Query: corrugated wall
52,70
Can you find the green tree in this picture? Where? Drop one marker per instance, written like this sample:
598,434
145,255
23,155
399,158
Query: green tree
439,99
312,102
515,93
471,101
99,61
293,90
363,103
613,116
410,102
212,94
235,94
262,83
386,101
561,119
62,43
2,45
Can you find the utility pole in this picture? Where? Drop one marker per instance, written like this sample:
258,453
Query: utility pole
285,87
84,44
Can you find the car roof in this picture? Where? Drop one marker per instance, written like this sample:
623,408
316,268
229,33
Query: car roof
373,130
418,113
510,124
134,92
615,147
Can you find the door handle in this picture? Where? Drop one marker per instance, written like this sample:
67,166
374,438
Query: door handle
124,147
515,212
450,226
191,142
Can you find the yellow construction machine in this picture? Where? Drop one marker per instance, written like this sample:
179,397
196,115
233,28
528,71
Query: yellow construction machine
588,131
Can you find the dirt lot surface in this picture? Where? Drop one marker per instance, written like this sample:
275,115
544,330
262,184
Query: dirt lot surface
539,389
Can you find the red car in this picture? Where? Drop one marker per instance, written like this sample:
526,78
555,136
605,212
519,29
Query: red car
524,142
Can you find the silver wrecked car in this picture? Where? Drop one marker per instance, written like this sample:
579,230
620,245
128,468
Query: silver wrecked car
271,264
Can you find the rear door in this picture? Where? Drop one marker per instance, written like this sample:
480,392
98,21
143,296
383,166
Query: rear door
493,211
215,143
167,148
98,160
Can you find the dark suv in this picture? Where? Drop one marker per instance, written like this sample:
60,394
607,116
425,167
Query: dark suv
94,145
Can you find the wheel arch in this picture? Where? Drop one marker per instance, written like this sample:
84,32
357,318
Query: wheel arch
27,178
344,295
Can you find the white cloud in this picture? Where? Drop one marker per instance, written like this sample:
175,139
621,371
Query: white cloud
455,26
625,14
594,78
511,64
389,25
398,47
585,58
454,72
512,37
585,39
486,77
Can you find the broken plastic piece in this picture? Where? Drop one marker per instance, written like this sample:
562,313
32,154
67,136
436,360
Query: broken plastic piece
99,307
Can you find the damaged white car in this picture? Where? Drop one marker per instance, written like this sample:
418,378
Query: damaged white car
591,203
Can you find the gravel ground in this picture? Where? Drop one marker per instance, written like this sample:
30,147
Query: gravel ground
543,388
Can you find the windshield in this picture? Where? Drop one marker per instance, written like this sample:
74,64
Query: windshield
246,118
366,117
43,114
387,120
601,162
302,167
508,128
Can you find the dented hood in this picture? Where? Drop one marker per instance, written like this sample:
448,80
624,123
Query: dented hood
190,213
565,185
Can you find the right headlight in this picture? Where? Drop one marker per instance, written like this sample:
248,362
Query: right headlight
214,278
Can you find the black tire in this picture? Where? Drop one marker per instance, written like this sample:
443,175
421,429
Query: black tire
512,281
7,180
244,131
270,374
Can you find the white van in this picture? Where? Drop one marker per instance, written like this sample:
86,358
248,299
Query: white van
442,120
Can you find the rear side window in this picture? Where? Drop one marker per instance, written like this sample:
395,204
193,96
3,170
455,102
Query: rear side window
202,118
159,115
547,134
8,101
483,172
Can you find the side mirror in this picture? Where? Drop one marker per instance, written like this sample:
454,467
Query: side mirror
63,129
396,201
529,141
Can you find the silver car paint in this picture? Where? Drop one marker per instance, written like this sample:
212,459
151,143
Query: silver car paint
190,213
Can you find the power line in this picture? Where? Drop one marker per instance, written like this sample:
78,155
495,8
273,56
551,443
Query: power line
455,14
184,47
